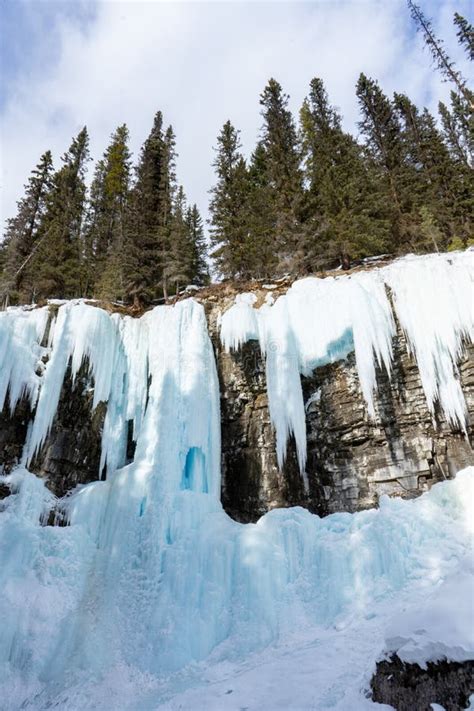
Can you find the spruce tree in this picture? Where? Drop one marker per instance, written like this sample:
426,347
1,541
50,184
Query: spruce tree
433,187
177,261
228,206
261,258
344,215
436,47
197,245
22,235
58,260
105,225
382,130
465,34
282,167
148,217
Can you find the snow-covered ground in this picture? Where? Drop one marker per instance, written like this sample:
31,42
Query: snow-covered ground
337,592
153,597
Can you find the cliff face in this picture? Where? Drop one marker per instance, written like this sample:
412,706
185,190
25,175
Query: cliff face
352,459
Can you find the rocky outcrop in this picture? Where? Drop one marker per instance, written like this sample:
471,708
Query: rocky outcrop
13,430
71,452
352,460
406,687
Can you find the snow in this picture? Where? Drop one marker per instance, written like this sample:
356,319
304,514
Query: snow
152,597
170,604
320,321
442,627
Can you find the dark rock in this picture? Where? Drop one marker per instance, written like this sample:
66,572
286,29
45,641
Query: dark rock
408,687
4,491
71,452
352,460
13,429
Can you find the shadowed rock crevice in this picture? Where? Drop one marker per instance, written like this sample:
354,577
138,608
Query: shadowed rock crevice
71,452
13,431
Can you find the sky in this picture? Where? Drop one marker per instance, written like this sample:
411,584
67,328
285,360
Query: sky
100,63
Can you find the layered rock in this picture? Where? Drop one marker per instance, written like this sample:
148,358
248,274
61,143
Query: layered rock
352,459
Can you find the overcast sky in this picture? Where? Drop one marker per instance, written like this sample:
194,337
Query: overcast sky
66,63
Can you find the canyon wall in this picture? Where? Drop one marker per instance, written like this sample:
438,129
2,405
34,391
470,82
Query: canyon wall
352,459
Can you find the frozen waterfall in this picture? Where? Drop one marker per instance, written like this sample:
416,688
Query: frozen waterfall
320,321
150,575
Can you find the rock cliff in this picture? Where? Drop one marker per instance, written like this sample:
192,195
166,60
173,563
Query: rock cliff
352,459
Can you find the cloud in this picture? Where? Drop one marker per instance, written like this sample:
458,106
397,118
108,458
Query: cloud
200,63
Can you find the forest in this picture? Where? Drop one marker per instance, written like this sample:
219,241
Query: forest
311,197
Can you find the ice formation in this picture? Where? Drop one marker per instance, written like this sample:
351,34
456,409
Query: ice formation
319,321
151,576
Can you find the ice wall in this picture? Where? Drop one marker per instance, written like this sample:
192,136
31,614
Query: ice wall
319,321
150,574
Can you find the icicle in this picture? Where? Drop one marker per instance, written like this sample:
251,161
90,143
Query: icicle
433,298
320,321
239,323
81,331
21,334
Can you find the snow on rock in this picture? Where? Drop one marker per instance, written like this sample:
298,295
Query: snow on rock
239,323
442,627
319,321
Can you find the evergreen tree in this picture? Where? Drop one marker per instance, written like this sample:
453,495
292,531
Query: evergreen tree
465,34
197,244
105,225
177,264
381,127
344,217
282,168
434,185
228,206
260,258
458,139
22,235
58,259
438,52
148,216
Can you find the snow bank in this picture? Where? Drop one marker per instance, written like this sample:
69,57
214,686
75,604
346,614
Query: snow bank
319,321
442,627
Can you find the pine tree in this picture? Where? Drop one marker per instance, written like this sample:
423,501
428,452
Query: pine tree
381,127
198,265
228,206
282,166
433,186
58,259
465,34
104,231
436,47
148,217
22,235
344,219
